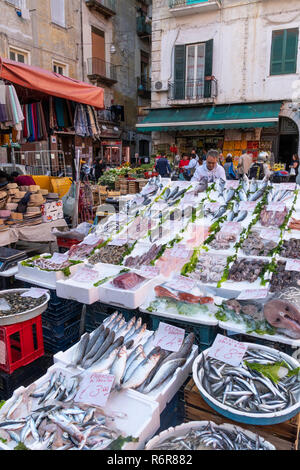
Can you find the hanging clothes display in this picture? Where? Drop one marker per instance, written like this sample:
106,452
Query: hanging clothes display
34,126
85,122
11,114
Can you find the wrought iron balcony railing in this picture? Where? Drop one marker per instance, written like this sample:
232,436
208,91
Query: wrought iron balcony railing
98,68
106,7
193,90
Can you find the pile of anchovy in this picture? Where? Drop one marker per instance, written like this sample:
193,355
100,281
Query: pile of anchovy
55,422
243,388
213,437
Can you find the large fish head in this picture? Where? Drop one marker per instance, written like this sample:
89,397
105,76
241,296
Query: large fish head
284,315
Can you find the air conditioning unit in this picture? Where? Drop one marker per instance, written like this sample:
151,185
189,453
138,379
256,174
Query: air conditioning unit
160,85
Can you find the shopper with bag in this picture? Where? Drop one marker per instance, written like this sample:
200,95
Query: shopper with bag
229,168
294,168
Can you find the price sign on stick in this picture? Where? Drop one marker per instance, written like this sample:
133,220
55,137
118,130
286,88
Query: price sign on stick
292,265
59,258
228,350
95,388
169,337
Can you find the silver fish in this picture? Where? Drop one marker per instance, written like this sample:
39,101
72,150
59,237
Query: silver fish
141,373
163,373
241,216
242,195
229,195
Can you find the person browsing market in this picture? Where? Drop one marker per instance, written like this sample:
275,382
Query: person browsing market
210,168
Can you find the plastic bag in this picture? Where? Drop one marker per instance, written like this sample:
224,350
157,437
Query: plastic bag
69,201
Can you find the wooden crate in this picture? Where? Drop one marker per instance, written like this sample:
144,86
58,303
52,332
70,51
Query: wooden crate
113,193
284,436
133,187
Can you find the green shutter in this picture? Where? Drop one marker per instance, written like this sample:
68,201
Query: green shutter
284,51
291,51
179,72
208,67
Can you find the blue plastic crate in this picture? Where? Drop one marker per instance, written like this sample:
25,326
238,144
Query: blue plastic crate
53,346
58,318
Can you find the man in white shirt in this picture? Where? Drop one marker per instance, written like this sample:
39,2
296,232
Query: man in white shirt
210,168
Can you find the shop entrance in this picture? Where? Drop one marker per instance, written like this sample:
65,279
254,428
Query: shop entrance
288,140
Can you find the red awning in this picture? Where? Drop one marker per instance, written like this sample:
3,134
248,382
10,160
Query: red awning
51,83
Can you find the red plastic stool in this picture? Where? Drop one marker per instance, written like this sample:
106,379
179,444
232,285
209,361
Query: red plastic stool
21,344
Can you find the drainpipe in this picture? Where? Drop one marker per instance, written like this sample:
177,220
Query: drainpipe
82,54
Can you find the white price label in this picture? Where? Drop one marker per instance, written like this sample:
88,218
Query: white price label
86,275
169,337
179,251
275,207
181,283
95,388
91,239
232,184
228,350
248,205
34,293
118,242
292,265
149,272
253,294
59,258
270,234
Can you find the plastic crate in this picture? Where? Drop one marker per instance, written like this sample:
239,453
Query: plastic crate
21,344
63,314
204,334
53,346
24,376
67,242
65,330
96,313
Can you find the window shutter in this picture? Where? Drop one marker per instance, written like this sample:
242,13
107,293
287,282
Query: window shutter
291,51
277,52
209,45
58,12
179,72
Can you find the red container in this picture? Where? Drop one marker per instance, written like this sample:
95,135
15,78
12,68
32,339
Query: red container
21,344
67,242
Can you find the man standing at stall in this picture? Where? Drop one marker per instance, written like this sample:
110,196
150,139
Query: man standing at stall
244,164
210,168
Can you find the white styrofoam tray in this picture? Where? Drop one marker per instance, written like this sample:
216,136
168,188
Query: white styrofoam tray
45,278
86,293
184,428
130,299
200,318
136,415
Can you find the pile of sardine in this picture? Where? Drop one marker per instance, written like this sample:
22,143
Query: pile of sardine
209,268
144,259
55,422
282,278
110,254
255,245
246,389
12,303
171,197
144,198
291,248
246,270
213,437
116,347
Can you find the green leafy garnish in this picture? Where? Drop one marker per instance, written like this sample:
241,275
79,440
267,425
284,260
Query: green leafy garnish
268,370
21,446
118,443
2,402
4,441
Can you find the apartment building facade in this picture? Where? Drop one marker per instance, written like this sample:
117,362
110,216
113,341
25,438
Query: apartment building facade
225,75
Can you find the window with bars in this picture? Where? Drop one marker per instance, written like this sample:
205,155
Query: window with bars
58,12
284,51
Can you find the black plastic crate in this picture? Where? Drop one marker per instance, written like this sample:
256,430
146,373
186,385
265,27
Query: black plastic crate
56,345
24,376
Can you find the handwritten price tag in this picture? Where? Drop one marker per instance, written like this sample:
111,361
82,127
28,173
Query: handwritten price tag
59,258
231,227
253,294
180,251
169,337
232,184
34,293
118,241
270,234
292,265
91,239
181,283
149,272
275,207
228,350
85,275
95,388
287,186
247,205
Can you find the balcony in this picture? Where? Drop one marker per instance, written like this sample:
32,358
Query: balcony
190,7
189,92
144,87
100,71
105,7
143,28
